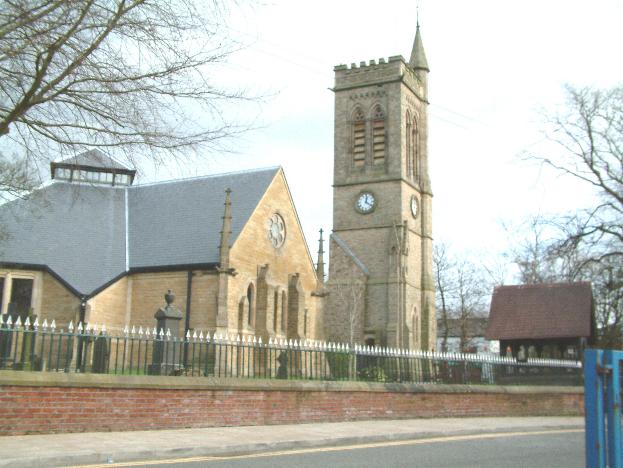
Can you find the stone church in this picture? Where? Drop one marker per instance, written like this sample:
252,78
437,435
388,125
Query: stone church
91,246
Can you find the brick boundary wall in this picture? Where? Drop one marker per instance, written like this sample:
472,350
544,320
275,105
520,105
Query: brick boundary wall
37,402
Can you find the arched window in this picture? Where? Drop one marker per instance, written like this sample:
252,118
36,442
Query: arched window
250,317
305,323
415,327
359,138
275,310
378,135
284,312
408,145
415,142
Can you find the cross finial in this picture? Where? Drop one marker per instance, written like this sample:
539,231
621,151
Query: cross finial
320,264
225,231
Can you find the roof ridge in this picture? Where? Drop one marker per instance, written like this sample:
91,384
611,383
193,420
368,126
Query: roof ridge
207,176
543,285
344,246
93,152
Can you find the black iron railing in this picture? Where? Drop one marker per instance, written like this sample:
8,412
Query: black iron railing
42,347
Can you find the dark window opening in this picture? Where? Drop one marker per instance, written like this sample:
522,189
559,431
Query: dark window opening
250,305
284,312
275,310
1,291
21,297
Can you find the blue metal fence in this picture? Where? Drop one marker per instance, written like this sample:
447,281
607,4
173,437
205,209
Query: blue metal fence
602,402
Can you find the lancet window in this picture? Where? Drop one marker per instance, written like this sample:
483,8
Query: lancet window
378,136
415,150
250,294
275,310
359,138
284,313
408,158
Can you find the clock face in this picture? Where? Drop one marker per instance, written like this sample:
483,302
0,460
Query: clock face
414,206
276,230
365,202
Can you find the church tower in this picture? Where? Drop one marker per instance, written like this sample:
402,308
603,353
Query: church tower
381,288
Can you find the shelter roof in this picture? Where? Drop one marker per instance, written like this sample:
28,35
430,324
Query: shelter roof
537,311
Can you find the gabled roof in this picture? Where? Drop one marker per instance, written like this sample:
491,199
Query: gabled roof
179,222
89,235
536,311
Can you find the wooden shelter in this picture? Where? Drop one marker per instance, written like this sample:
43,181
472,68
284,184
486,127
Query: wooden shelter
542,320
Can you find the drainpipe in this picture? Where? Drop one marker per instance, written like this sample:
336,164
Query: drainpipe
83,308
189,289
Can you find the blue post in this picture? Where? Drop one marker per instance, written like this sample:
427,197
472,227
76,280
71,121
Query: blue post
613,397
594,409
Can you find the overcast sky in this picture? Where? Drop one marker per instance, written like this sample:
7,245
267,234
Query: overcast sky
494,66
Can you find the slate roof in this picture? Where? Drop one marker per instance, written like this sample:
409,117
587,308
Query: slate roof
560,310
179,222
79,231
93,158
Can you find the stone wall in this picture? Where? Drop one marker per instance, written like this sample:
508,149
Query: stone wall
110,306
58,303
253,252
35,402
148,289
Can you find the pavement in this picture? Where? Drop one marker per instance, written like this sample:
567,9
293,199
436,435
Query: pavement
113,447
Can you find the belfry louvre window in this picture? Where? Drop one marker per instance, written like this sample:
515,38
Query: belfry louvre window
359,138
378,136
415,150
408,144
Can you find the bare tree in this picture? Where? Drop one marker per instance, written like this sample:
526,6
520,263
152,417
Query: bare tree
461,292
350,294
130,76
471,290
17,178
443,282
589,242
347,297
532,251
590,134
607,281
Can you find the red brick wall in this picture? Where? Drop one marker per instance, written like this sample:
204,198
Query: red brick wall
48,409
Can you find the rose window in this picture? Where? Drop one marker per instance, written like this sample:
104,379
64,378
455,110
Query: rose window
276,230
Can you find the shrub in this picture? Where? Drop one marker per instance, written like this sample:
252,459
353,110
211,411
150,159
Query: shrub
339,364
373,374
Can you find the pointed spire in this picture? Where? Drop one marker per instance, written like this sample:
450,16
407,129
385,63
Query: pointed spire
320,264
418,57
225,232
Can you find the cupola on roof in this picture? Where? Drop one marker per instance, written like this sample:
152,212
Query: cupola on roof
93,167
